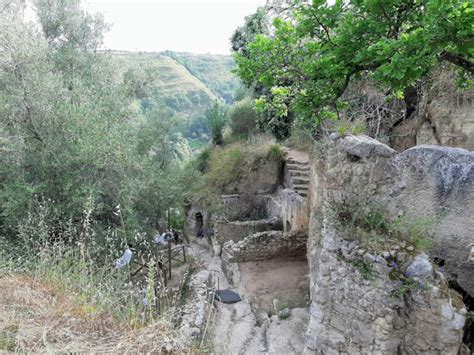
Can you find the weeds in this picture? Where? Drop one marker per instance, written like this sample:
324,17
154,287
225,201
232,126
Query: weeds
408,285
225,167
230,163
365,269
275,153
368,224
356,128
79,263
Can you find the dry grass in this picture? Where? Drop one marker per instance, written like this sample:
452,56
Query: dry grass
36,316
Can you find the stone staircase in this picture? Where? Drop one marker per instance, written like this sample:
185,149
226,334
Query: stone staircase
297,167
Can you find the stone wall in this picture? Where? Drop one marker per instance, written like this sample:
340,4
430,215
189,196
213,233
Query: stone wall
352,315
432,183
294,211
265,245
248,207
238,230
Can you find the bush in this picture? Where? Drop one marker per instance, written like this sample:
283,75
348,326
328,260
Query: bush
243,118
300,139
202,160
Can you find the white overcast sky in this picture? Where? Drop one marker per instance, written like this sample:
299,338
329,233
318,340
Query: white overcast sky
197,26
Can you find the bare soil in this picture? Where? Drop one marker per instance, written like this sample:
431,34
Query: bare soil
297,155
286,280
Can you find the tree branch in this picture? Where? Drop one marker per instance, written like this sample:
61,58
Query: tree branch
458,60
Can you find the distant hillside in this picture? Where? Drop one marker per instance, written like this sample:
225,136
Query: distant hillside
212,70
185,83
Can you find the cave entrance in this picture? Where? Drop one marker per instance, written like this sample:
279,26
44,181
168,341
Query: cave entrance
468,338
199,225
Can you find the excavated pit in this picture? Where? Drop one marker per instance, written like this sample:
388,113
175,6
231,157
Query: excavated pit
283,279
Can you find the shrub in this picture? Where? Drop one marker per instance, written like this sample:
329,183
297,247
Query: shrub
202,160
300,139
344,128
243,117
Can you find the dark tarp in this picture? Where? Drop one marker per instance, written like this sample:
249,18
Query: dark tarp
227,296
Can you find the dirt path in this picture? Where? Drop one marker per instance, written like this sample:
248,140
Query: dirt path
297,155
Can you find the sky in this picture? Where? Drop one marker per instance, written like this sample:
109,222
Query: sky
196,26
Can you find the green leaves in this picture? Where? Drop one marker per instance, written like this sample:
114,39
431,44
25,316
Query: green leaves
307,64
217,119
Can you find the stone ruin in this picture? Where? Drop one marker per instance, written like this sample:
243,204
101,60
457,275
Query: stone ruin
350,313
263,223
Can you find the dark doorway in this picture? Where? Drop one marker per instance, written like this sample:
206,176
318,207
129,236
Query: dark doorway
199,225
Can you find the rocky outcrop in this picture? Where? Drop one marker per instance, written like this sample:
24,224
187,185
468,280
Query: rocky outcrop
263,179
294,211
430,183
360,304
437,184
444,116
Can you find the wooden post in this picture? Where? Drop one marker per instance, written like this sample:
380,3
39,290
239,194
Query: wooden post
169,259
184,253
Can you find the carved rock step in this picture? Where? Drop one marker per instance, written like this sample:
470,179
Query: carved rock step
297,167
299,173
302,193
300,180
294,161
300,187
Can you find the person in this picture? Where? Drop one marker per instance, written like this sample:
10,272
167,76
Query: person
175,236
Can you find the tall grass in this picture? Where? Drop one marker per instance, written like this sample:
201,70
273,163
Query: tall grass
81,261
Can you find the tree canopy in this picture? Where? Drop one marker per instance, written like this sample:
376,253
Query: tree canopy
307,62
70,136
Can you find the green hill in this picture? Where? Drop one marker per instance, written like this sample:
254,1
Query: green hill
186,84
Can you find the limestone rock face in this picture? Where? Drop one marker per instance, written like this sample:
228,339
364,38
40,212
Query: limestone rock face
263,180
447,124
358,305
444,117
439,187
364,147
